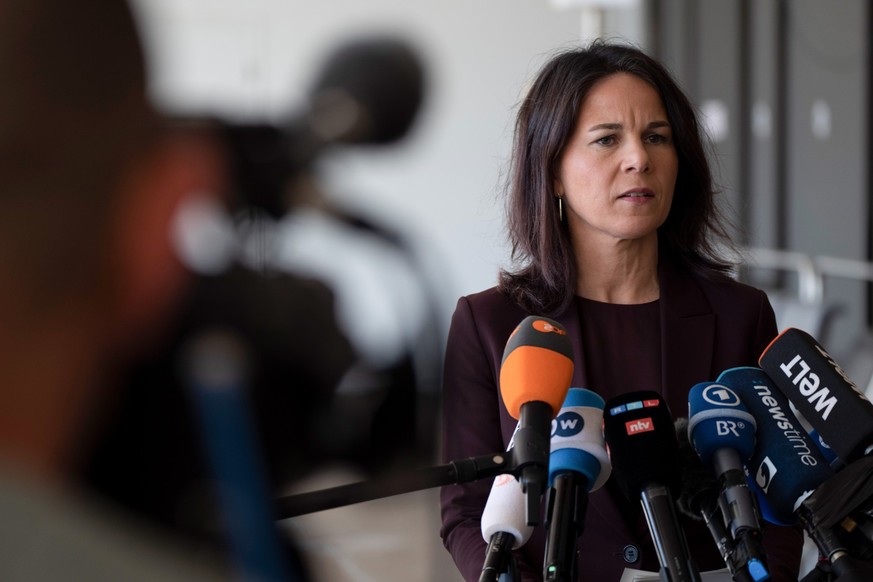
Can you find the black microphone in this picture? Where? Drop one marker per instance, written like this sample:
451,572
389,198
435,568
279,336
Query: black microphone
643,449
368,91
822,393
535,376
787,468
722,432
578,464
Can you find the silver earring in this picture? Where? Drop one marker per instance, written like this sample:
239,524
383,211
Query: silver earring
560,209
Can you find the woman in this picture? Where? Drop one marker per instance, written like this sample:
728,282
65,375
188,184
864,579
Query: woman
614,226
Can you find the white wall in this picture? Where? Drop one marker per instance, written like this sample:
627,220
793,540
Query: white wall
254,59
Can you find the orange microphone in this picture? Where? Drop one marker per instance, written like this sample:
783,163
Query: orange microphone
535,376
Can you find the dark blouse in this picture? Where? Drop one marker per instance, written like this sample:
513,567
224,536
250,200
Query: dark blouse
625,343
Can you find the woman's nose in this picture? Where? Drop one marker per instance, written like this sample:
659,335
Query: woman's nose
636,157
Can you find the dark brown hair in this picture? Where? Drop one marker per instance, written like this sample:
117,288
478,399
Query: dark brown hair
544,281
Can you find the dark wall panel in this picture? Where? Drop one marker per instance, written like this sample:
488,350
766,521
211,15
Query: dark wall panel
826,144
788,82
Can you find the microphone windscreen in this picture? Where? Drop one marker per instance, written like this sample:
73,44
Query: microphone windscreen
369,91
821,391
537,365
698,487
641,442
505,511
825,449
786,465
577,439
718,419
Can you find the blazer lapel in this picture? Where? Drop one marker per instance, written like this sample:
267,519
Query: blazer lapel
570,320
687,335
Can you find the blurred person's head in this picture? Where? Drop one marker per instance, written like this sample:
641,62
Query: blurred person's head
546,122
90,177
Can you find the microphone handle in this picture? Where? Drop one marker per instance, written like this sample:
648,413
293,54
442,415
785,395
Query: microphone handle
737,502
670,544
735,555
567,507
531,454
847,567
712,517
751,556
496,556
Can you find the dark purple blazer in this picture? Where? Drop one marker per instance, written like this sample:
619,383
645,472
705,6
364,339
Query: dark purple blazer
706,327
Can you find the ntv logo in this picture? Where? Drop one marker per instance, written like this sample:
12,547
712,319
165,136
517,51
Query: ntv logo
567,424
638,426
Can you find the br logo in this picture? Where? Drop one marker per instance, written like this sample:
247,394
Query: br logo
567,424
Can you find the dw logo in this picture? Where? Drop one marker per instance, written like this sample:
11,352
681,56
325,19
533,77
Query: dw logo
567,424
765,474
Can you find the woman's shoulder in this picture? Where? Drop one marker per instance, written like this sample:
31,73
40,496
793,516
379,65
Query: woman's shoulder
712,283
490,306
492,296
728,287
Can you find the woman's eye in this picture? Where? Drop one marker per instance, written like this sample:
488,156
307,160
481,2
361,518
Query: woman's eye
606,140
658,138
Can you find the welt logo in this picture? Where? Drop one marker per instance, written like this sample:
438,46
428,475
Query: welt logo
639,426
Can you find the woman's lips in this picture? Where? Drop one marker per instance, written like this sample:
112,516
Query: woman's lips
642,194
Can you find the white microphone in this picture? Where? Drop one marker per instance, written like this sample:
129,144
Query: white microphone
504,523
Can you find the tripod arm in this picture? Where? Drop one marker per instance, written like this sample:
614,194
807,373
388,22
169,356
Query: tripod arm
455,472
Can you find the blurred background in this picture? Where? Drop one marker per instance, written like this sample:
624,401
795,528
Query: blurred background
784,88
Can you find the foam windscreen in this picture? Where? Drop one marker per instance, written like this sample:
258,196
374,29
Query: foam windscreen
537,365
641,441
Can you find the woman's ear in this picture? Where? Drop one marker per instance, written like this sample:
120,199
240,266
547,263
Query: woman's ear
147,278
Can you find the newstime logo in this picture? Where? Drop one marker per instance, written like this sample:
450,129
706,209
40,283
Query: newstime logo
639,426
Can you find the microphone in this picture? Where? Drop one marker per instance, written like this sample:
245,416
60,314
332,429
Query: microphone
826,451
369,91
503,523
722,433
643,449
822,393
787,467
578,464
698,497
534,380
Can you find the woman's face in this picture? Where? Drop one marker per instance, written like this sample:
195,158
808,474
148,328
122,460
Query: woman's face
618,171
